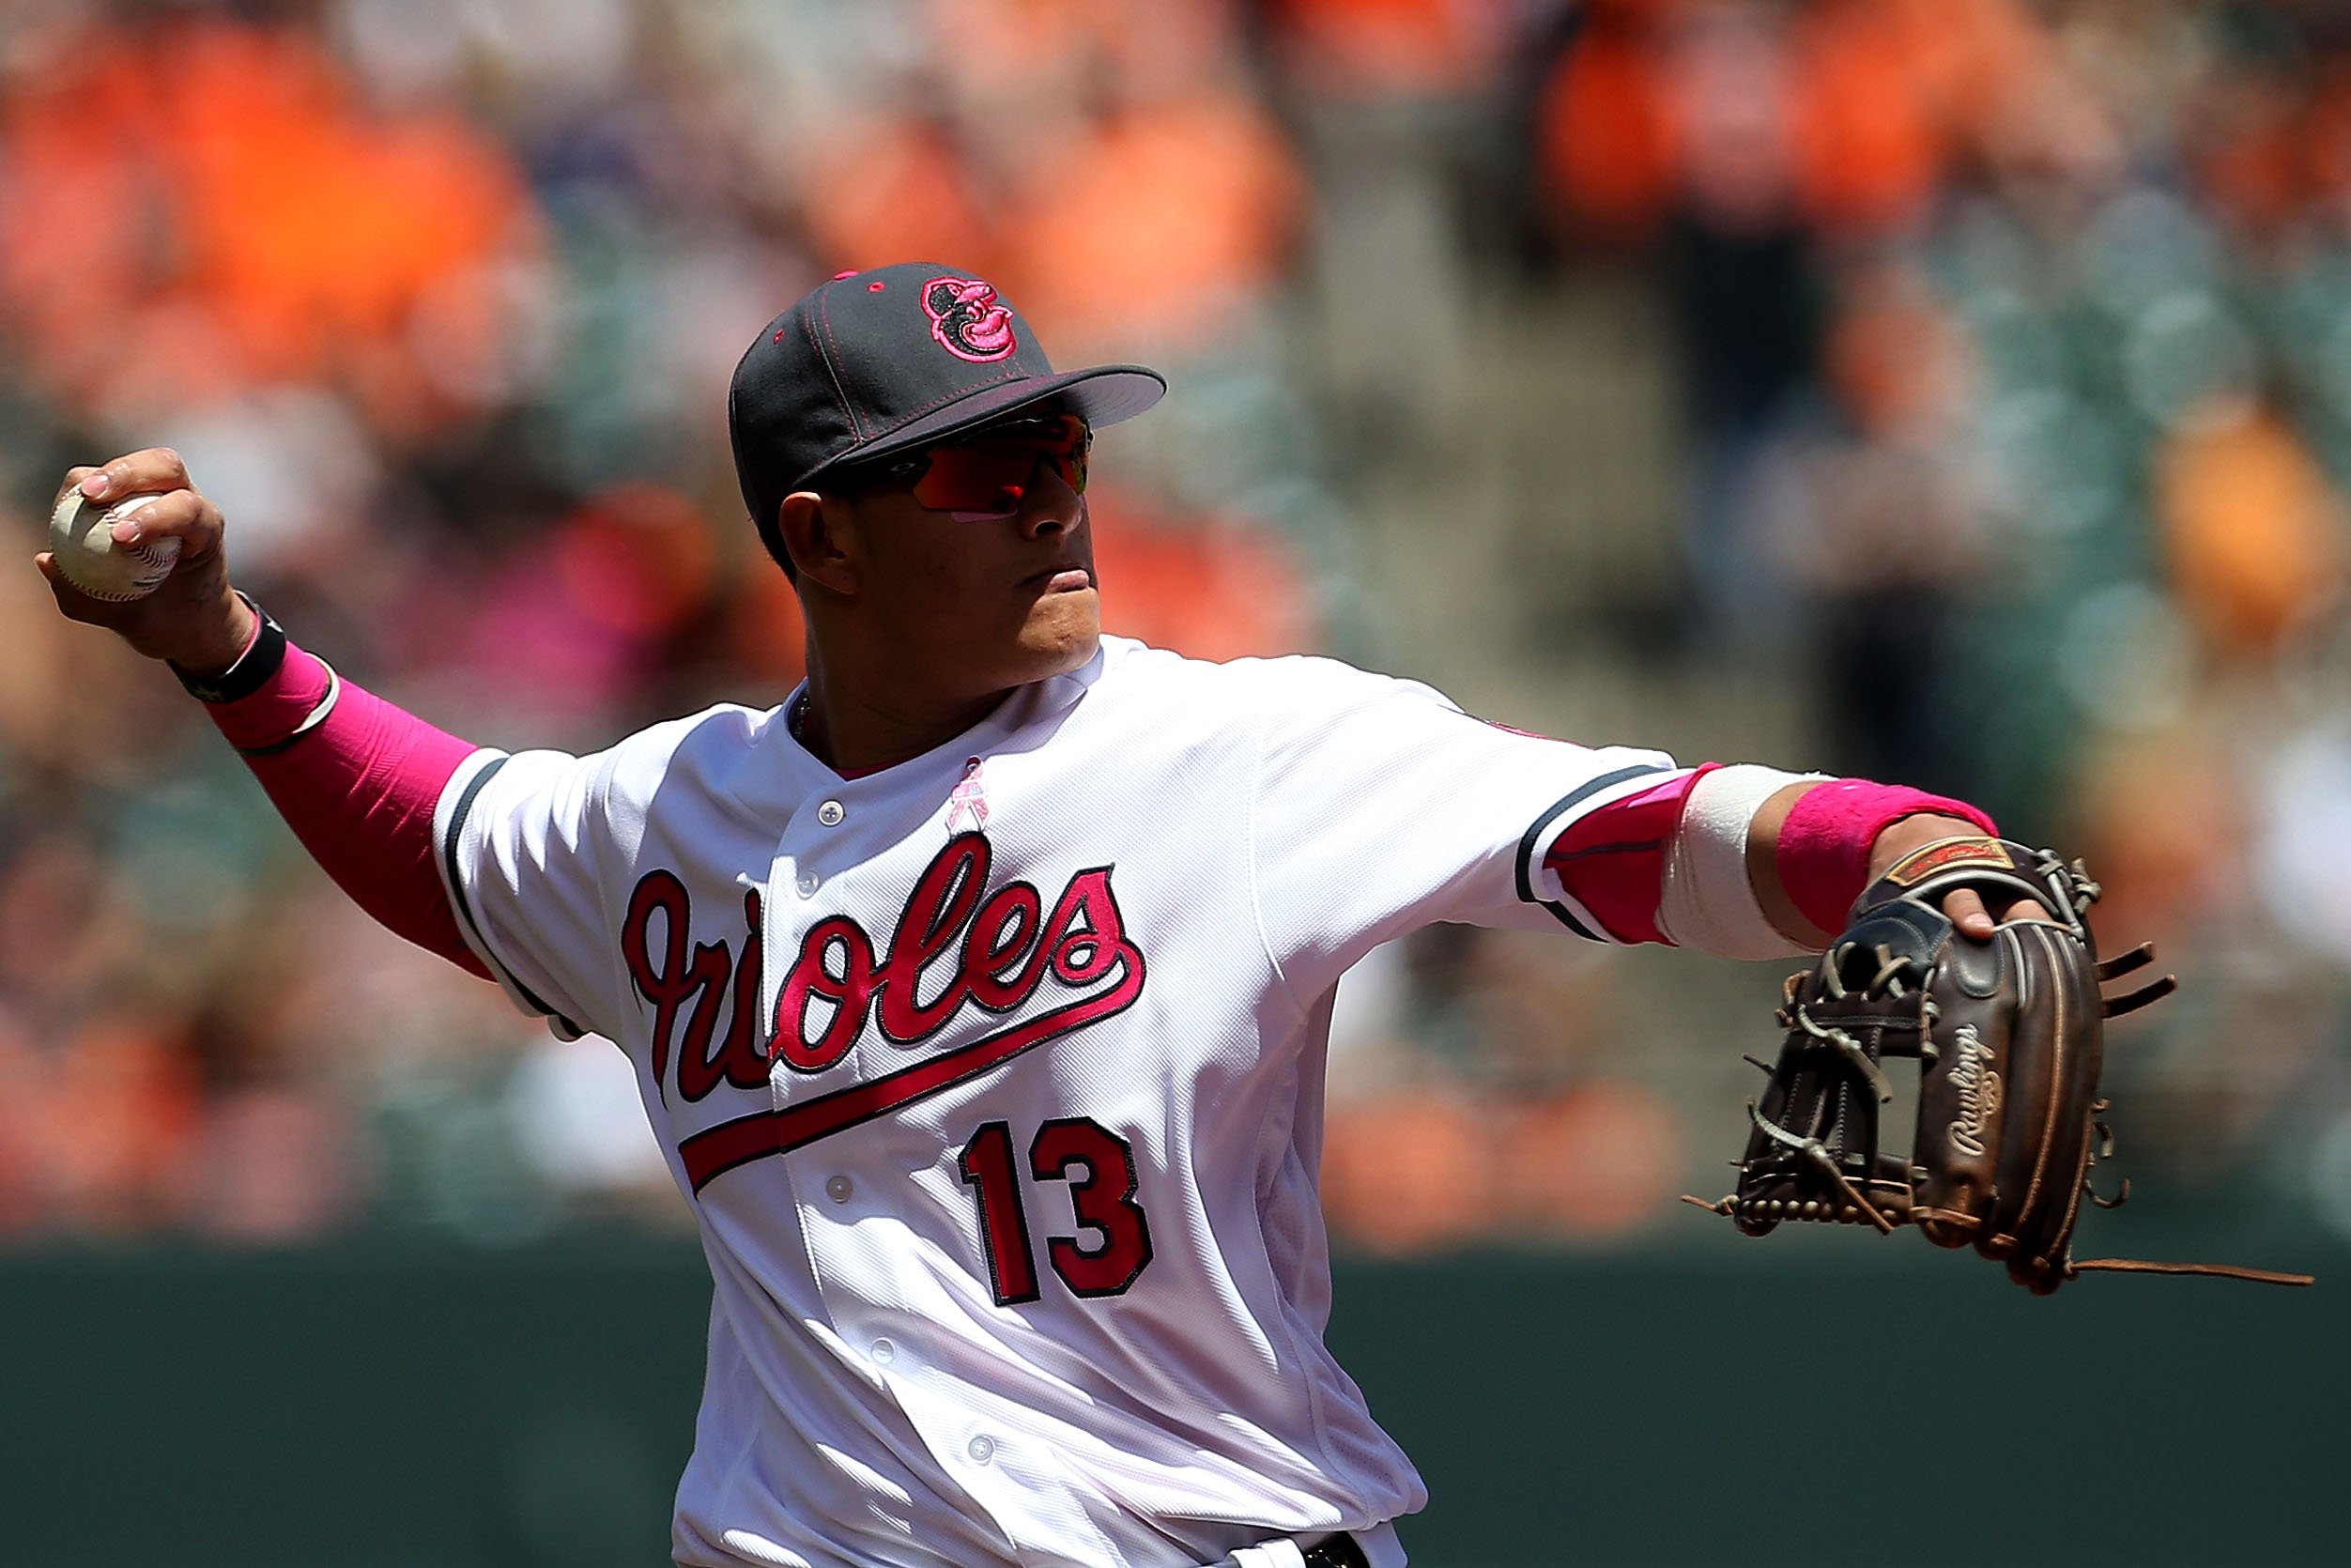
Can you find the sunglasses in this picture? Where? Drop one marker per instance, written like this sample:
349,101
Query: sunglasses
988,475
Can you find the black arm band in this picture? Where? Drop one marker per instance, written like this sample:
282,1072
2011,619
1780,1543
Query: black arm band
253,669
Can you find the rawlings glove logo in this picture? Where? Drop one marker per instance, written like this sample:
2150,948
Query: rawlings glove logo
1979,1091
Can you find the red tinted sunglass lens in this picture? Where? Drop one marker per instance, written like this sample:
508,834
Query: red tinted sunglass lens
976,479
991,475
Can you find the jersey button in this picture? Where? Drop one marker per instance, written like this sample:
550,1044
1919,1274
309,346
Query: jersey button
830,813
808,884
838,1189
884,1352
981,1449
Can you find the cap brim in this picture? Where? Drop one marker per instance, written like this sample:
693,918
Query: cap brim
1101,395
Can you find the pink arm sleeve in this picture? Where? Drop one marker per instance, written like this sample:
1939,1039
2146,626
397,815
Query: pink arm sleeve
1612,861
360,792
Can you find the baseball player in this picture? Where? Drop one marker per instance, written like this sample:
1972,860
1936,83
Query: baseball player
978,992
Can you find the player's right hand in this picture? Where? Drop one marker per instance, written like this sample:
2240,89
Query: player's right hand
193,619
1963,905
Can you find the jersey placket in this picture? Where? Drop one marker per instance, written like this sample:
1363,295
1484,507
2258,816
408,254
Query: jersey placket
821,863
814,875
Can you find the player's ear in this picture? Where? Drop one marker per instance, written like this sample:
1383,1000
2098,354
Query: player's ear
812,529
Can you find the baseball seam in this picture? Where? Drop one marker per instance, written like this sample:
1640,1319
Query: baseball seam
147,553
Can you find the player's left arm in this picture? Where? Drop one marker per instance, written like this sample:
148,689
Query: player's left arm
1748,862
1616,844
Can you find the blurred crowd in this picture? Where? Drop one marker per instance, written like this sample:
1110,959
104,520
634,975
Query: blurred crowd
2013,361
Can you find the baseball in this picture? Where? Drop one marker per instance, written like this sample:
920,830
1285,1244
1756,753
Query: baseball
81,537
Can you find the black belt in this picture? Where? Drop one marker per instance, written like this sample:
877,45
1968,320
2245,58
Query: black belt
1339,1551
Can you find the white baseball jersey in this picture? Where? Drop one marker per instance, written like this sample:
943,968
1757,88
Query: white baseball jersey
994,1078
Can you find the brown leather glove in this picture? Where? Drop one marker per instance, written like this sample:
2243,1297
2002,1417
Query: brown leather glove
2009,1036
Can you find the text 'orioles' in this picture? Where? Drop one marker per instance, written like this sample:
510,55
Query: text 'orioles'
1002,946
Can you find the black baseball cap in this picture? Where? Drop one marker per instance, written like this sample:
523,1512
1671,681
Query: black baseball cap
897,358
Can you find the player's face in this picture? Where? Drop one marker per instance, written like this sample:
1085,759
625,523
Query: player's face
980,601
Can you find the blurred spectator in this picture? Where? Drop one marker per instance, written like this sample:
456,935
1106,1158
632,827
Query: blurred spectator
1392,48
1873,513
2252,529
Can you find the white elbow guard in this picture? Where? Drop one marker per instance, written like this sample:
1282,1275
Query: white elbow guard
1709,901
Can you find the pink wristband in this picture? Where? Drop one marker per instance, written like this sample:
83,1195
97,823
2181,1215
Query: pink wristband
1824,848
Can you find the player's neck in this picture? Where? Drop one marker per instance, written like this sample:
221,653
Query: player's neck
869,730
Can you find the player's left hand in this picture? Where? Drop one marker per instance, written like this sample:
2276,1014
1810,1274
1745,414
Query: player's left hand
1964,905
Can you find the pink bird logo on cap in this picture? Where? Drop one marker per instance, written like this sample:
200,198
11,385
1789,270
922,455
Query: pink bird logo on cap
967,321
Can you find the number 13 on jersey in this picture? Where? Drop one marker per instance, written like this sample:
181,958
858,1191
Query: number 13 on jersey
1098,1168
